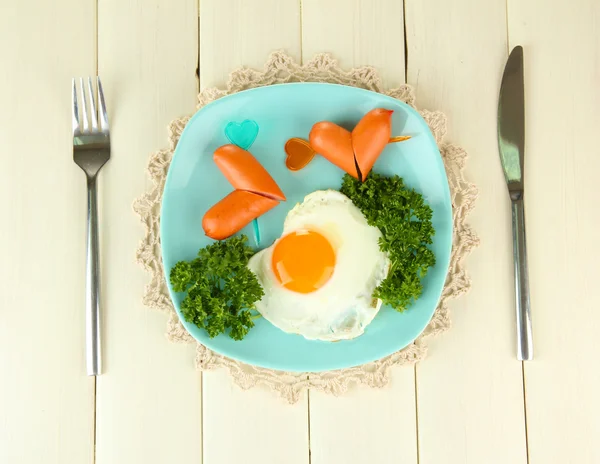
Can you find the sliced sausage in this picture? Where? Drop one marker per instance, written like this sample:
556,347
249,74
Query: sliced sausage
335,144
234,212
369,138
244,172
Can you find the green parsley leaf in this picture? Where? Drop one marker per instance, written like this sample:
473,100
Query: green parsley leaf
405,223
221,290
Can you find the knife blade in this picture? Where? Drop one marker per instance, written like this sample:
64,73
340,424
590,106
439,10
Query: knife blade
511,146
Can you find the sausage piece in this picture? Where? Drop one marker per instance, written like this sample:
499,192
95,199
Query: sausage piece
244,172
233,212
335,144
369,138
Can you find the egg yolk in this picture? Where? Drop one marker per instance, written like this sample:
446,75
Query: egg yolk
303,261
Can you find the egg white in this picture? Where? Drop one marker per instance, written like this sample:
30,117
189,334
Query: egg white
344,306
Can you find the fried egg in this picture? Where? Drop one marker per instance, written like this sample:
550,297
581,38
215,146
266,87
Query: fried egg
319,276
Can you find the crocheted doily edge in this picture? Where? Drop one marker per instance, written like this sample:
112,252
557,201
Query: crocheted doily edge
281,68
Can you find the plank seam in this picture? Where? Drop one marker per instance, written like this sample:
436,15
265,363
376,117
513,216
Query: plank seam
417,417
522,363
301,35
308,408
417,444
95,407
202,457
202,416
507,28
405,42
198,52
94,426
97,38
525,412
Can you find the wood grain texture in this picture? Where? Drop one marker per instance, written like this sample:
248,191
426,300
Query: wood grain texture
366,424
358,33
252,426
46,399
470,391
236,33
562,102
149,399
362,33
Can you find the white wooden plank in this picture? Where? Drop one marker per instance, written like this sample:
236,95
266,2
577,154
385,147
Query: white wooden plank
562,90
46,399
263,428
251,426
149,399
364,425
236,33
470,401
358,33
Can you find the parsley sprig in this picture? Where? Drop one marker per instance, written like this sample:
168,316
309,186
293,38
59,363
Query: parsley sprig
405,223
221,290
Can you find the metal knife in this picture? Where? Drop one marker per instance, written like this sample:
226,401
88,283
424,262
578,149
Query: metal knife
511,144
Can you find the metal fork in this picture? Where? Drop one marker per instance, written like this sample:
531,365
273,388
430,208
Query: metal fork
91,150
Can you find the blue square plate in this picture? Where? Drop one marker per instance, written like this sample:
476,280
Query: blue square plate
194,184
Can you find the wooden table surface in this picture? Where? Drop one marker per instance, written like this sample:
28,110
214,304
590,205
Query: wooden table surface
470,401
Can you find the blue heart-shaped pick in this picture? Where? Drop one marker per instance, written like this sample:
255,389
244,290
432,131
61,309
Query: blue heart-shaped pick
243,134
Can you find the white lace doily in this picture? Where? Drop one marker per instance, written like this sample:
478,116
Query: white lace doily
280,68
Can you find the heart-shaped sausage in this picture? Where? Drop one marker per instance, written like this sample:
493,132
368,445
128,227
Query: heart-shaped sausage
369,138
355,152
244,172
335,144
256,192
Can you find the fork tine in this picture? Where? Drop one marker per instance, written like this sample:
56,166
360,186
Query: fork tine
75,109
94,114
84,114
102,104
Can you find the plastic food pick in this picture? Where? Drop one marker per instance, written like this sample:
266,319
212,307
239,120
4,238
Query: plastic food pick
399,138
243,134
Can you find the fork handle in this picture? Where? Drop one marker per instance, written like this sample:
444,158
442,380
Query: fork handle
92,282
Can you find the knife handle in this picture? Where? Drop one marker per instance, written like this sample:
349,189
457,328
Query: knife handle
524,333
